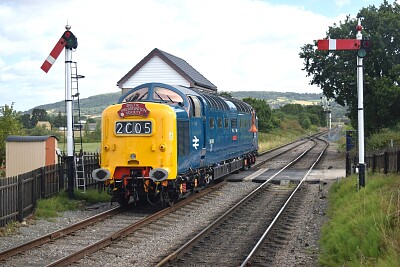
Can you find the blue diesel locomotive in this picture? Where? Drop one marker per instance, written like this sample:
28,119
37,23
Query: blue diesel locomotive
163,142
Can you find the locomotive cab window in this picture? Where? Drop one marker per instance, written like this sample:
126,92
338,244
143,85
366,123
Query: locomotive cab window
166,95
138,95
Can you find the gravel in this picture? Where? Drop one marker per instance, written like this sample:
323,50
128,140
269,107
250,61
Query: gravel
303,250
31,229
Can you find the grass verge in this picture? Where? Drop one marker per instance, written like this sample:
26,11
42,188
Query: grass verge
276,138
51,207
364,229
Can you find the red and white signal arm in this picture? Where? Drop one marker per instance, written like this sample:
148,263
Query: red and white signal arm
53,55
339,44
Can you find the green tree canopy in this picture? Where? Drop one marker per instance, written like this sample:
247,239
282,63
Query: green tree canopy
38,115
25,119
60,120
9,125
336,71
263,112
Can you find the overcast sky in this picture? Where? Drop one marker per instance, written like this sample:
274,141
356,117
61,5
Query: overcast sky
239,45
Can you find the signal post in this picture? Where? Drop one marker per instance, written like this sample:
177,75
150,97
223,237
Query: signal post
361,45
69,42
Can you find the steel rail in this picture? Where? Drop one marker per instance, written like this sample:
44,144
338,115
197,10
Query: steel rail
185,247
262,238
57,234
131,228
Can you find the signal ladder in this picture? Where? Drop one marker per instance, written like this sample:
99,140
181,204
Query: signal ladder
79,157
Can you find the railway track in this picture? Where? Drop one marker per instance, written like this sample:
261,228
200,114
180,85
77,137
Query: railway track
112,243
86,237
235,237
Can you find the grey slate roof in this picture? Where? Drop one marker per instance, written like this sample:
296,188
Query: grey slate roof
178,64
19,138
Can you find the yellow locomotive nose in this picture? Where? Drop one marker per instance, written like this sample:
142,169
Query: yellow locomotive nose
138,142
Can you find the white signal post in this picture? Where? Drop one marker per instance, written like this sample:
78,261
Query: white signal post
354,44
68,99
69,42
360,90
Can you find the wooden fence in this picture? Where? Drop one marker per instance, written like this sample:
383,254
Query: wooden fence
19,194
387,161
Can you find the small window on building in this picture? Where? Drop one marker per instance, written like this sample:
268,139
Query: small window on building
211,122
226,123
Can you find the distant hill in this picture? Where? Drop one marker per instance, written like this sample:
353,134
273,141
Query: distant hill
91,106
94,105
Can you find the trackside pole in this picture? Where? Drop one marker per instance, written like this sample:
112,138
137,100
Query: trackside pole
360,90
360,45
70,138
69,41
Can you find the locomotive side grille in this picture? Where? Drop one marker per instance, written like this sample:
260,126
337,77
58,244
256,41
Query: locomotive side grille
241,106
215,102
183,138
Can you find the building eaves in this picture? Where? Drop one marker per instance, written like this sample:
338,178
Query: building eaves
178,64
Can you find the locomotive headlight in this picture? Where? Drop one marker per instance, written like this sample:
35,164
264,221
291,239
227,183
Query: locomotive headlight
133,156
158,174
101,174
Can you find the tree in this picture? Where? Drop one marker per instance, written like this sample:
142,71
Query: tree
317,114
60,120
335,71
225,94
9,125
97,132
38,115
263,111
304,121
292,109
25,119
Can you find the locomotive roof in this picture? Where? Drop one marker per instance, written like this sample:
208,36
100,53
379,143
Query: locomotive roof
214,101
217,102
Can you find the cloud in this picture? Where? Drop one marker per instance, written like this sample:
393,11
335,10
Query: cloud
236,44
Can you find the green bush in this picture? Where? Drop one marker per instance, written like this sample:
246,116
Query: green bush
383,140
